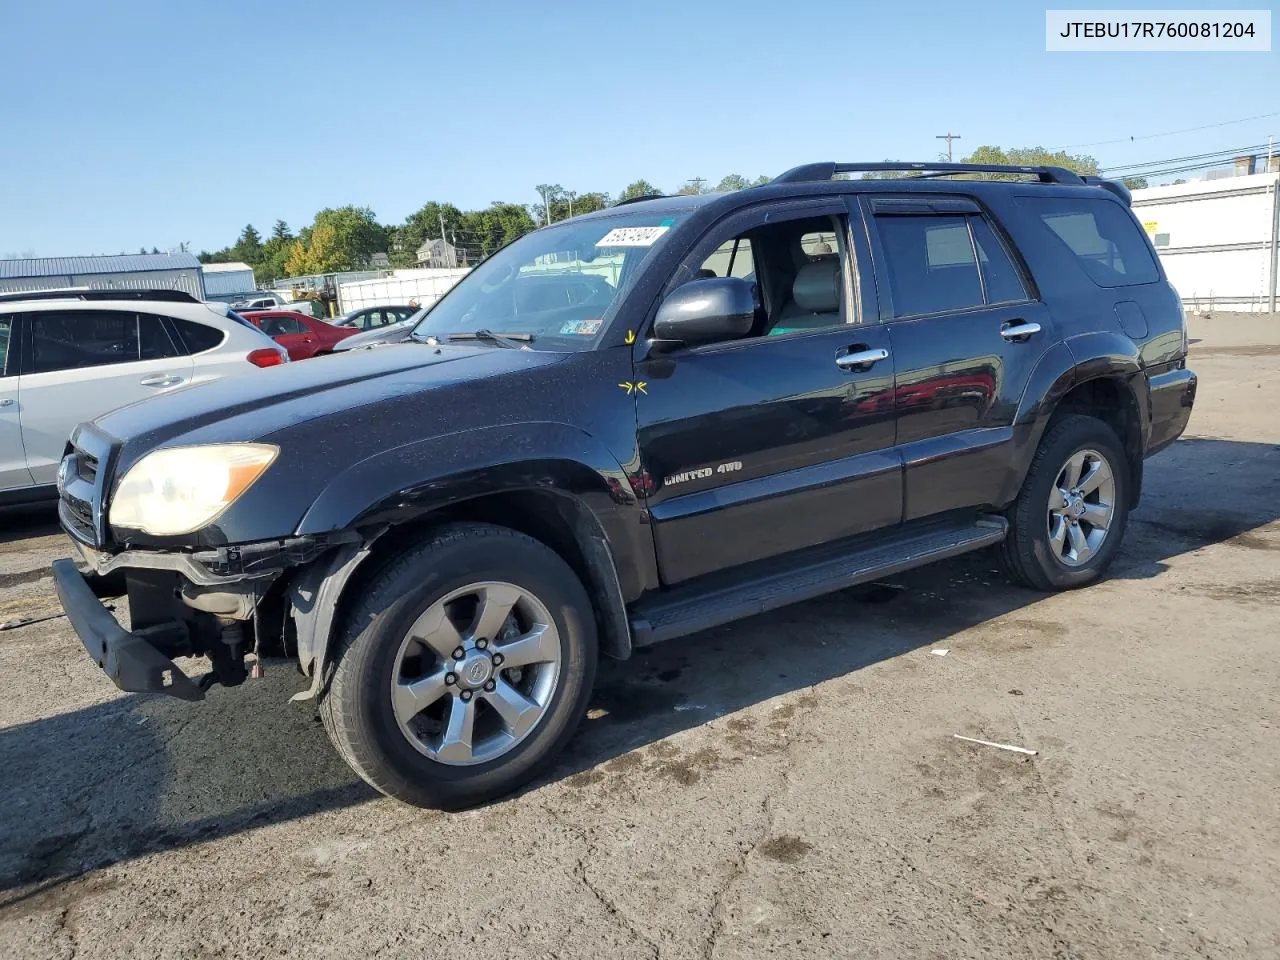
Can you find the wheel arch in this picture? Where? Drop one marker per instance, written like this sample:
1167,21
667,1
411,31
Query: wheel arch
1096,374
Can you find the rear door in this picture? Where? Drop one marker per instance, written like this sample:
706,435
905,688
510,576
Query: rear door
966,330
771,443
14,474
80,364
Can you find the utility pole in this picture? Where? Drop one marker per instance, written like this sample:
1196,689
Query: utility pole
571,196
948,137
697,183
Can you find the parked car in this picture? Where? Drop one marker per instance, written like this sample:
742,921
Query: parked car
391,333
303,336
69,356
260,300
373,318
454,528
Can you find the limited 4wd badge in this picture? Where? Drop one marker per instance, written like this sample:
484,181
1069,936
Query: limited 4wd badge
702,473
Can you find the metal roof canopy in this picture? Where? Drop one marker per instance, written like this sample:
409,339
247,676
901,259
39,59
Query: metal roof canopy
83,266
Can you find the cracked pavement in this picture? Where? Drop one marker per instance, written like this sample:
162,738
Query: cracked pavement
788,785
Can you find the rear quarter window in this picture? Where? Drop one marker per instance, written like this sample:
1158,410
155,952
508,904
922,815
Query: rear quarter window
1101,235
196,336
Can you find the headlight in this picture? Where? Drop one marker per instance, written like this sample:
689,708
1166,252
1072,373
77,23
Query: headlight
180,490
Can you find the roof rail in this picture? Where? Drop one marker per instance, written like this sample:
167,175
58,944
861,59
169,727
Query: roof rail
825,171
1115,186
79,293
646,196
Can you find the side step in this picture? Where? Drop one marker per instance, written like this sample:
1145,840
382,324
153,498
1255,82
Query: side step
687,610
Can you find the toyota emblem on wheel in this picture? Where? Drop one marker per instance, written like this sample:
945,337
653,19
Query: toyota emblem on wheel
478,672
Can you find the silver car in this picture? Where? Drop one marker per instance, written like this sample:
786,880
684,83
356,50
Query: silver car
70,356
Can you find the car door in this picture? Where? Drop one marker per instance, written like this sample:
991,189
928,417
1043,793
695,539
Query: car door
80,364
14,474
290,331
775,442
966,332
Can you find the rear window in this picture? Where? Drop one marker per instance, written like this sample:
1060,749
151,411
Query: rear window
1107,243
199,338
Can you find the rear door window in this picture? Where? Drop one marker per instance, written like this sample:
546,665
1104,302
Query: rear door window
1105,240
939,263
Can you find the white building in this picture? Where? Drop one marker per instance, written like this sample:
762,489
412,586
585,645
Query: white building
140,271
1217,238
425,286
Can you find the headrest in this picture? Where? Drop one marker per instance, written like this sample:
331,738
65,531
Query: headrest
817,286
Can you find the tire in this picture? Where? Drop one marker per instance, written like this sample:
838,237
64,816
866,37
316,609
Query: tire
1031,556
472,563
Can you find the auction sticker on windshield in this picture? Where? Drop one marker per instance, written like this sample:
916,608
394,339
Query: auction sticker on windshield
631,237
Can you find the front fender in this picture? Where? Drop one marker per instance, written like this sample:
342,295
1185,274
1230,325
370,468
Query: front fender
403,483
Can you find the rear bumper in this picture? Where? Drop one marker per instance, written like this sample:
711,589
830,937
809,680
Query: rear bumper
1172,396
129,659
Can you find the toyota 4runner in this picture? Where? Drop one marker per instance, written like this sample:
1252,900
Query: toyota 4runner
628,427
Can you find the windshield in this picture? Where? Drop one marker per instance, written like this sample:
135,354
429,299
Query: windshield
557,284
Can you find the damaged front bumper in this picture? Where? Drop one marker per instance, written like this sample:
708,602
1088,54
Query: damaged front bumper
131,660
183,604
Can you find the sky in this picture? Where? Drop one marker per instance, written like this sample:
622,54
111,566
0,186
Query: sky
132,124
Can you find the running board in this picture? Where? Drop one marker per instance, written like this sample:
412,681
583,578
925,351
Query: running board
791,580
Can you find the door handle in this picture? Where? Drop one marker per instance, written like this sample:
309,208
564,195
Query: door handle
5,402
1018,329
861,359
161,380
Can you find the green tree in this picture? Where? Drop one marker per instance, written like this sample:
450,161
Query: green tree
1134,183
248,248
352,236
734,181
419,227
281,231
298,263
641,188
1029,157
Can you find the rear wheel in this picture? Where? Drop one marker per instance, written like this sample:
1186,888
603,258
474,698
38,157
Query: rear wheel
464,670
1070,517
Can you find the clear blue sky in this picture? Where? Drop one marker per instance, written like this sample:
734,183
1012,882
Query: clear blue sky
132,124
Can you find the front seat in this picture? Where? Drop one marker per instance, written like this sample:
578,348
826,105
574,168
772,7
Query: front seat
815,298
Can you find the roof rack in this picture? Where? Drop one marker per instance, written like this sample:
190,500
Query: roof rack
76,293
825,171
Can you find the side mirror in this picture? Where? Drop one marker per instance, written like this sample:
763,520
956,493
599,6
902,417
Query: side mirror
703,311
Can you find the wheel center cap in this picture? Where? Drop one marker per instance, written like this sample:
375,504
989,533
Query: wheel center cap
475,669
1075,508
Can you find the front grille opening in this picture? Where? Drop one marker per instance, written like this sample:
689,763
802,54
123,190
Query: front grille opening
87,466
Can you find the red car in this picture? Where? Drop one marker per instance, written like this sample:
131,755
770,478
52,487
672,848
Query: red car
302,337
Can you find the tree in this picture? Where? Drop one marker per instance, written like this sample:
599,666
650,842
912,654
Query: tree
299,260
281,231
155,249
248,248
1134,183
1029,157
641,188
734,181
421,226
356,236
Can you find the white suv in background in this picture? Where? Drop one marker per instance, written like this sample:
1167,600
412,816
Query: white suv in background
70,356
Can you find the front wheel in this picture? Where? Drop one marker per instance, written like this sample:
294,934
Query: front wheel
464,670
1068,521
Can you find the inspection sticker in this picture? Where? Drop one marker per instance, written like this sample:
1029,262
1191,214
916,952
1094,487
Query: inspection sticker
631,236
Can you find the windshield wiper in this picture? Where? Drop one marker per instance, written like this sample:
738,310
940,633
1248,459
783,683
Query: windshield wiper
514,340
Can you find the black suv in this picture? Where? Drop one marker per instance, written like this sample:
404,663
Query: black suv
740,401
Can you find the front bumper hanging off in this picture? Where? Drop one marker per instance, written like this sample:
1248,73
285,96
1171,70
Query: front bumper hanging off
129,659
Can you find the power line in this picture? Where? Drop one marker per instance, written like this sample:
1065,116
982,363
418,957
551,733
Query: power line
1215,156
1169,133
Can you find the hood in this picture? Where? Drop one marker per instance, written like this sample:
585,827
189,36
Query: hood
392,331
261,402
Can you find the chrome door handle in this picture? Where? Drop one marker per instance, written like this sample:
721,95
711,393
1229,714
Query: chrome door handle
160,381
1018,330
5,402
863,358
